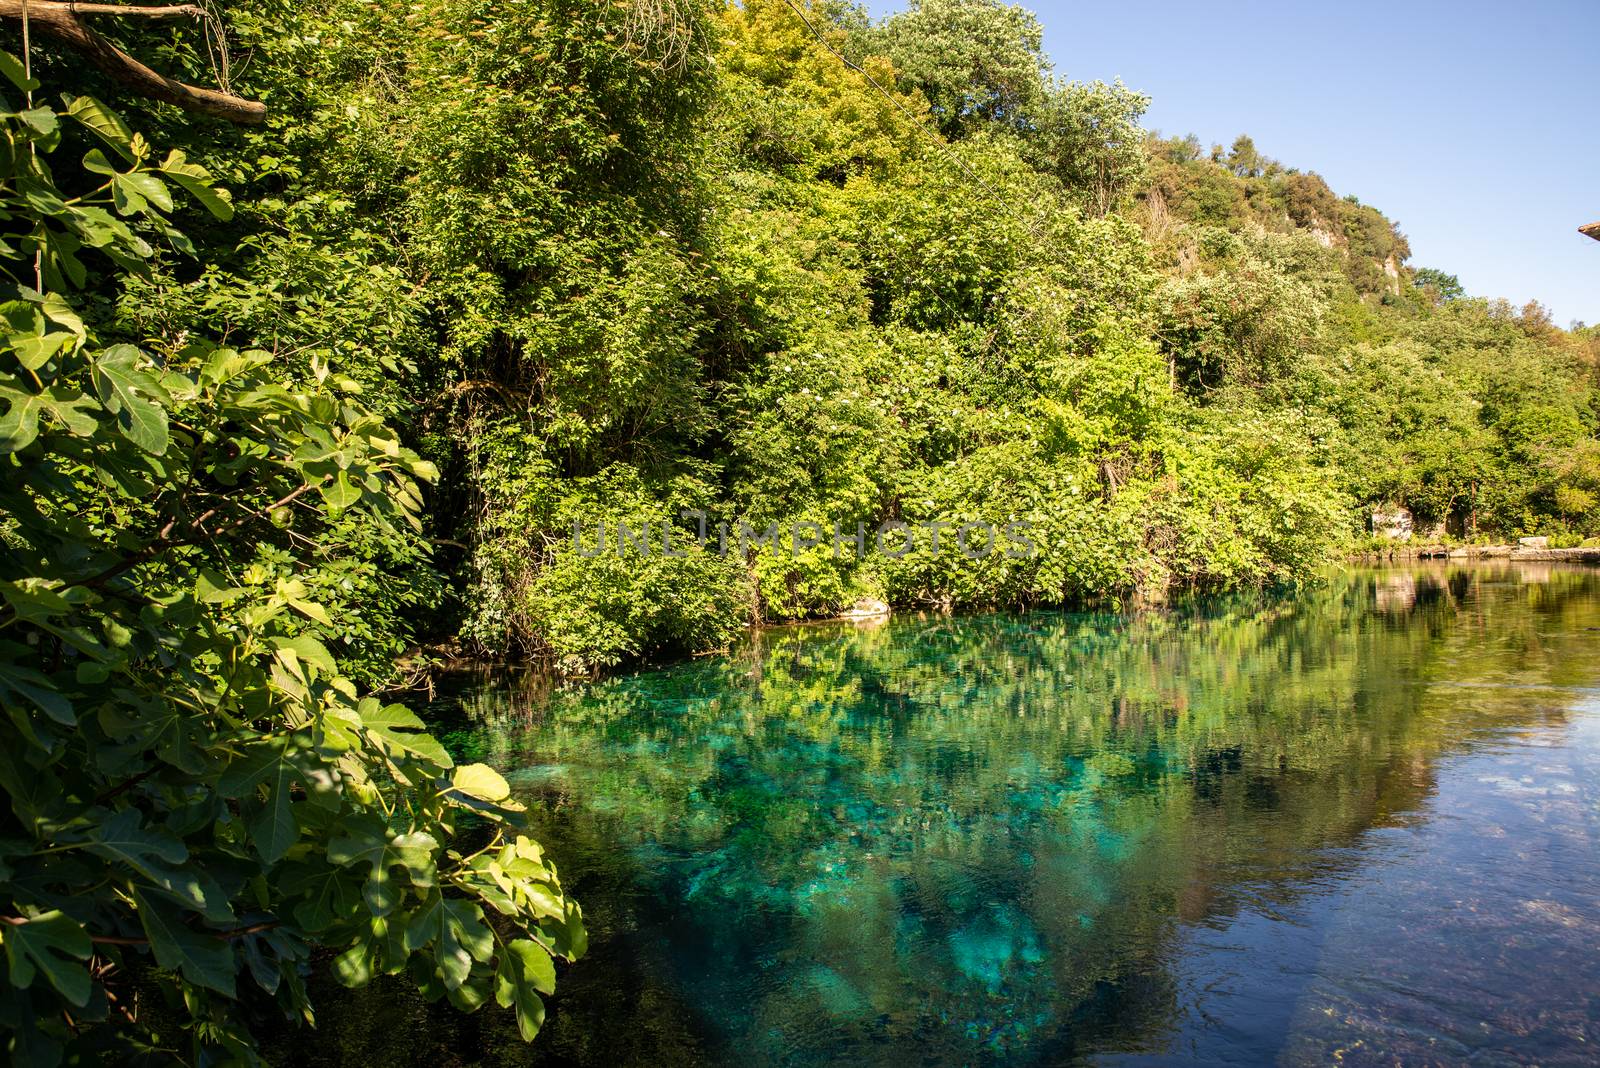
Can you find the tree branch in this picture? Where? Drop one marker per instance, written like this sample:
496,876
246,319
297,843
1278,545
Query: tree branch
164,540
60,22
168,11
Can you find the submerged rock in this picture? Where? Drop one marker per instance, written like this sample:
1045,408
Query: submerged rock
841,1000
996,943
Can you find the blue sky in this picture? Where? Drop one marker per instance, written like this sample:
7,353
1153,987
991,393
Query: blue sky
1476,126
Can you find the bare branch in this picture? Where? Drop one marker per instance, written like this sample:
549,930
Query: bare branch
60,22
169,11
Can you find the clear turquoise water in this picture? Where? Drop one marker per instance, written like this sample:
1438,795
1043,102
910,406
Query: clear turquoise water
1354,824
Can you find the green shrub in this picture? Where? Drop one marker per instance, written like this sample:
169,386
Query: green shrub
198,796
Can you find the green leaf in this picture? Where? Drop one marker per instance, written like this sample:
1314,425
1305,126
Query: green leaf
293,594
104,124
123,836
34,351
21,317
150,188
50,943
197,183
41,120
328,895
162,726
472,994
270,765
353,967
91,672
480,781
304,647
43,199
201,958
537,965
19,427
211,587
340,492
522,971
455,931
124,390
402,732
12,68
159,856
36,689
26,333
95,161
275,829
126,198
32,599
60,312
34,794
372,845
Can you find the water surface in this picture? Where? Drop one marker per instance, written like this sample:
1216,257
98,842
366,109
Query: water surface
1357,824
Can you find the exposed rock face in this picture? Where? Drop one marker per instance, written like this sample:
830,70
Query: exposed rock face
1534,543
866,608
1393,524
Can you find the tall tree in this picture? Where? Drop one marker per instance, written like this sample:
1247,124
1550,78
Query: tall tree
977,61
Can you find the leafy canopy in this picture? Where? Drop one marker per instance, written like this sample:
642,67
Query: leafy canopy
197,796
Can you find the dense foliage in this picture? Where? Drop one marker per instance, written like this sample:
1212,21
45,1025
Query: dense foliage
666,258
901,273
492,274
198,795
1479,417
686,259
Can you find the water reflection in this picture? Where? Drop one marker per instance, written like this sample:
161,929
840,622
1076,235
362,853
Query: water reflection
1255,828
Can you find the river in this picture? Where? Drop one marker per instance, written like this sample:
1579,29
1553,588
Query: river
1356,823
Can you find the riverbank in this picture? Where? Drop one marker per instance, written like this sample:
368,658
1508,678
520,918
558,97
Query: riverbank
1590,555
421,667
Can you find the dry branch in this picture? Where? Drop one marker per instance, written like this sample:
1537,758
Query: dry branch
167,12
61,22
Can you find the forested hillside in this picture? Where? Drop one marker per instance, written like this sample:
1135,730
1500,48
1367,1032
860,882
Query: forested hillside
1478,416
613,263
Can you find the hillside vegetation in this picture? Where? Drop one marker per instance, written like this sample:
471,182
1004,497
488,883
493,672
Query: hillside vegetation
658,258
907,273
279,403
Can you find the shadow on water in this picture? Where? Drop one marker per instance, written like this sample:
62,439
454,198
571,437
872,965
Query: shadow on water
1198,835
